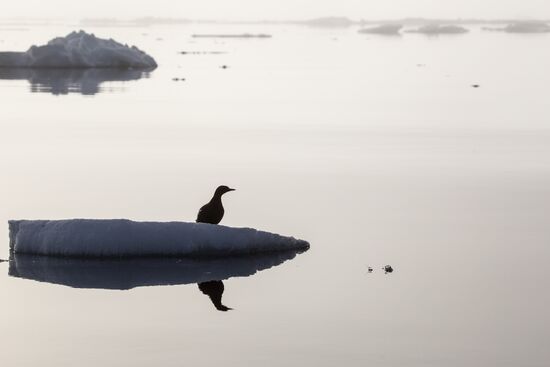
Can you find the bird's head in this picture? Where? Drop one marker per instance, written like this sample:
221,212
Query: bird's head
222,190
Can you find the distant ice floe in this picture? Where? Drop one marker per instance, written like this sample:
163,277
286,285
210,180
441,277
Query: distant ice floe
125,238
523,27
79,50
384,29
128,273
435,29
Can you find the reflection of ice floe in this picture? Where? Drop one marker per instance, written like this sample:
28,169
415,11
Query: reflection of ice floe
435,29
329,22
124,238
523,27
139,272
238,35
65,81
79,50
202,52
384,29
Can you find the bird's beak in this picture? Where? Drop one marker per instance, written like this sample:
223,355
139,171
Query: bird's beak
231,189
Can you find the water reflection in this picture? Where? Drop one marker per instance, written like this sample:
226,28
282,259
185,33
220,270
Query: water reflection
65,81
123,274
214,290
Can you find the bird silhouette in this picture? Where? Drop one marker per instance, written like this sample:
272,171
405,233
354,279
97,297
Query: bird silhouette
214,290
212,212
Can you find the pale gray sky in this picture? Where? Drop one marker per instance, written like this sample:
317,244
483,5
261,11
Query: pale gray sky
277,9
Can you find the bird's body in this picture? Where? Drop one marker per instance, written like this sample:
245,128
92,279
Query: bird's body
213,211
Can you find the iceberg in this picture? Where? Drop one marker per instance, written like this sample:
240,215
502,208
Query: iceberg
126,238
128,273
79,50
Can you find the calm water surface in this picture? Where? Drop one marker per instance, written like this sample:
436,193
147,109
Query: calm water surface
376,150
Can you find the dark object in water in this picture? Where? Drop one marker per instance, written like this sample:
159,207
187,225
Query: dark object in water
369,269
178,79
224,66
475,85
388,269
212,212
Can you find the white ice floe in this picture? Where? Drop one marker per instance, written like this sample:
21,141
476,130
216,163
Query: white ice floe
79,50
122,238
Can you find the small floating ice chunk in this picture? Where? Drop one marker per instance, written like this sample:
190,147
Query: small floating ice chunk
122,238
79,50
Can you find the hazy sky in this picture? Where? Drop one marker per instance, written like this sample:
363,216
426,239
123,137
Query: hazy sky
277,9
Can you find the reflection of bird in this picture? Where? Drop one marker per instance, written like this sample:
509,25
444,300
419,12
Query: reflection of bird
213,211
214,290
